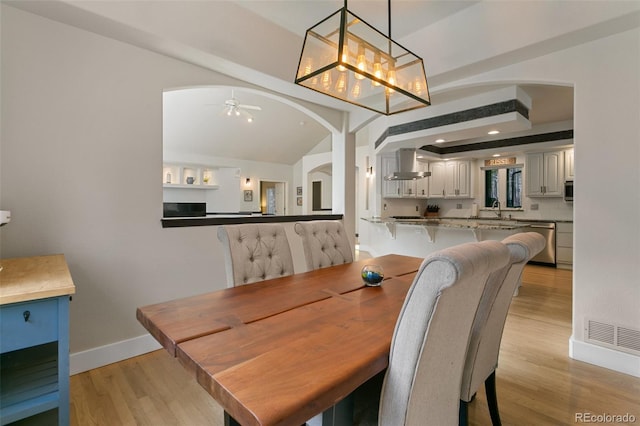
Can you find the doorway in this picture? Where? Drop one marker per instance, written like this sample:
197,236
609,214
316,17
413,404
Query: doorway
273,198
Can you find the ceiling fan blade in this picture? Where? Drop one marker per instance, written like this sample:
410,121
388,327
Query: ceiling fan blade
253,107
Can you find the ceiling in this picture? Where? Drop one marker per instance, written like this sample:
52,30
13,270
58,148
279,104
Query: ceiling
195,121
198,127
257,43
407,16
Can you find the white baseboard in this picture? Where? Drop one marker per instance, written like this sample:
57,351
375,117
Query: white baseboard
605,357
108,354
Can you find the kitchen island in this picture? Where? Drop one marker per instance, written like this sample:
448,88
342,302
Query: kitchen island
418,236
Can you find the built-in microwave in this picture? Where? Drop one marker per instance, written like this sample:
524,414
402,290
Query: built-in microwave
568,190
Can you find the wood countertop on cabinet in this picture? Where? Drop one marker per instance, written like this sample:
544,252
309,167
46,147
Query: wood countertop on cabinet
30,278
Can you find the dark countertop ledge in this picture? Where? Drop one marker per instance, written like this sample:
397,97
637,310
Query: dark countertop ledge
213,220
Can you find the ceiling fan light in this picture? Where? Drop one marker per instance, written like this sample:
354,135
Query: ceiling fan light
326,46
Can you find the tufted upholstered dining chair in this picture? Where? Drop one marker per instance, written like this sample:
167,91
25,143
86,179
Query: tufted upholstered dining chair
422,382
255,252
486,334
325,243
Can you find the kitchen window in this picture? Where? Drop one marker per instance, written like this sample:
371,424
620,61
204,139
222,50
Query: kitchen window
503,184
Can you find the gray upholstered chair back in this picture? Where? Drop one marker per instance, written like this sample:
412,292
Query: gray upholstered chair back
255,252
486,334
422,382
325,243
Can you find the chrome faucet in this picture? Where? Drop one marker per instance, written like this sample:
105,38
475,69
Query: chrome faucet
499,212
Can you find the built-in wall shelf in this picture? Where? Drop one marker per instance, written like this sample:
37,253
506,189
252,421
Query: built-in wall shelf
188,186
189,176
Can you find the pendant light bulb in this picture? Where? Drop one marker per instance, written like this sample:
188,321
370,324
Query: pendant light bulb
308,67
326,79
361,62
377,69
344,58
355,92
341,84
391,79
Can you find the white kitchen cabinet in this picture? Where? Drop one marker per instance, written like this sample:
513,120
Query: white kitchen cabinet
564,245
390,188
568,165
436,180
403,188
450,179
545,174
422,185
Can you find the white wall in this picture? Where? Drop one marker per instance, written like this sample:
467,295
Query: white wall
80,171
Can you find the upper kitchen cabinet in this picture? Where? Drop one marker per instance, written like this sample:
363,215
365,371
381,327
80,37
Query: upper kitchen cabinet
545,174
450,179
422,185
568,165
390,188
418,188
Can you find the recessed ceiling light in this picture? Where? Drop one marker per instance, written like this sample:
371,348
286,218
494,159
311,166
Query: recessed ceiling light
439,140
494,132
496,155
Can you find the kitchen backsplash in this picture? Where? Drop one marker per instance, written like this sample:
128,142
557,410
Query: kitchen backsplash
547,208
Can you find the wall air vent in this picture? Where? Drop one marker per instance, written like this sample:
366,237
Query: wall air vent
613,336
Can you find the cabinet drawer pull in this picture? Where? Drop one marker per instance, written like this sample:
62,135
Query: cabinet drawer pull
26,315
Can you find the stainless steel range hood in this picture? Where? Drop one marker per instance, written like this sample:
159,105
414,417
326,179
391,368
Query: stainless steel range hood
406,166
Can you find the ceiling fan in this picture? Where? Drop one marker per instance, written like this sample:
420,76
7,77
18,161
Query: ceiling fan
232,107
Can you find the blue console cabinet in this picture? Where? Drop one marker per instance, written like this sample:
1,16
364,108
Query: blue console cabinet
34,337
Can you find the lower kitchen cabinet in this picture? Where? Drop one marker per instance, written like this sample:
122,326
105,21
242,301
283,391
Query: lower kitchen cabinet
34,348
564,245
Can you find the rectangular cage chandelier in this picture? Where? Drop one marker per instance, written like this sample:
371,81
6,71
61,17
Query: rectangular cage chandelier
346,58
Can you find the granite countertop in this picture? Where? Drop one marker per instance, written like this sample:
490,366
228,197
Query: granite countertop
476,223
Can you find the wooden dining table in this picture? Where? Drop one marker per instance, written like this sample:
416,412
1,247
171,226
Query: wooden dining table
279,352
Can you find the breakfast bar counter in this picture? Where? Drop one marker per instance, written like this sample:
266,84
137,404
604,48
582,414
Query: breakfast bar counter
420,236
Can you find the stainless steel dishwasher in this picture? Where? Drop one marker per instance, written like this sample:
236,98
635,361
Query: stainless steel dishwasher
548,254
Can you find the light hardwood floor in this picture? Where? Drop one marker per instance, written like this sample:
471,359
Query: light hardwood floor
537,383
